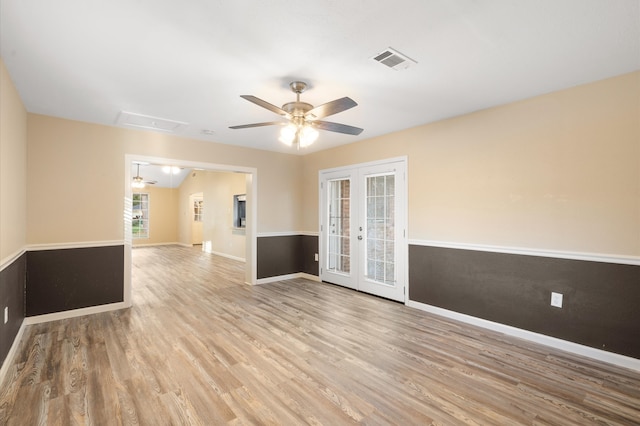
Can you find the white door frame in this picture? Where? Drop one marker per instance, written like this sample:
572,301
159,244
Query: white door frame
252,202
402,234
348,280
196,196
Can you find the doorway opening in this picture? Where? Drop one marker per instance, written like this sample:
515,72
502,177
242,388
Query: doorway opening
196,202
186,233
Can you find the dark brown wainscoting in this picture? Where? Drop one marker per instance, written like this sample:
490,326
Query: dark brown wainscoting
288,254
309,249
12,285
65,279
601,305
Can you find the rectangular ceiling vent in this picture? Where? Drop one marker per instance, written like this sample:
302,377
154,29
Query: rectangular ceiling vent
394,59
142,121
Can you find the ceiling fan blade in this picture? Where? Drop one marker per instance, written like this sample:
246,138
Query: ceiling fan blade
331,108
268,123
265,104
337,127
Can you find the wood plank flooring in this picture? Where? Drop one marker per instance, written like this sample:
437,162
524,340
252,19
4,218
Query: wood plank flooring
199,347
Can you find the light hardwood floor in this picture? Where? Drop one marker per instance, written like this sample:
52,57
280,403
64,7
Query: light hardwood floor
201,347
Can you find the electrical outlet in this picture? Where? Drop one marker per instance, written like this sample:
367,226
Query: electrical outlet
316,257
556,299
6,314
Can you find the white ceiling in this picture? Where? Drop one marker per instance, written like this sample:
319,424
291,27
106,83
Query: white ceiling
191,61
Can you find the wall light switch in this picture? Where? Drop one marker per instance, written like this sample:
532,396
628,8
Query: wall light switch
316,257
6,314
556,300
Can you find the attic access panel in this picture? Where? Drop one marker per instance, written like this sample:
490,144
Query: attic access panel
148,122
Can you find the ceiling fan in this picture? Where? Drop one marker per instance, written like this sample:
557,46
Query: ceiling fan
138,182
303,118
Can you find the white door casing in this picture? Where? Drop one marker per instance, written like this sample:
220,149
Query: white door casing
363,228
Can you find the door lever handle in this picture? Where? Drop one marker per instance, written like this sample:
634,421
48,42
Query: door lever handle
360,237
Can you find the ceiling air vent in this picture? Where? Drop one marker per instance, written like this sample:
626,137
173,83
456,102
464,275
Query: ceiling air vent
394,59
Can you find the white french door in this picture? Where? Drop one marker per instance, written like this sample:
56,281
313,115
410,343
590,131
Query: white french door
362,229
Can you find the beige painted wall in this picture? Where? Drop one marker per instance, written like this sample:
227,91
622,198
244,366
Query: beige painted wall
163,216
555,172
76,178
218,189
13,168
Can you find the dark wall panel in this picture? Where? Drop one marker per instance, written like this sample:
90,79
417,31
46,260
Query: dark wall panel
12,287
61,280
284,255
601,306
309,250
281,255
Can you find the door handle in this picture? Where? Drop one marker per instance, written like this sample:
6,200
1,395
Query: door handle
360,237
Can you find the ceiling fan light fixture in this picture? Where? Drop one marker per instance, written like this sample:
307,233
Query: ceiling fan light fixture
304,119
288,134
308,135
137,183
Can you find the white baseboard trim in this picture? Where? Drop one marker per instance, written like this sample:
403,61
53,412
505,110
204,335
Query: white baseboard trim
287,277
276,278
310,277
12,352
564,345
228,256
159,244
75,313
592,257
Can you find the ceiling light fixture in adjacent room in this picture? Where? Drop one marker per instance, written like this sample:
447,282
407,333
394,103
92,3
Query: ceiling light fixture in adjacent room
174,170
138,182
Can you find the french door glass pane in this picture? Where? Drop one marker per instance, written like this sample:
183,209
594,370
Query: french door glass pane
339,244
380,230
